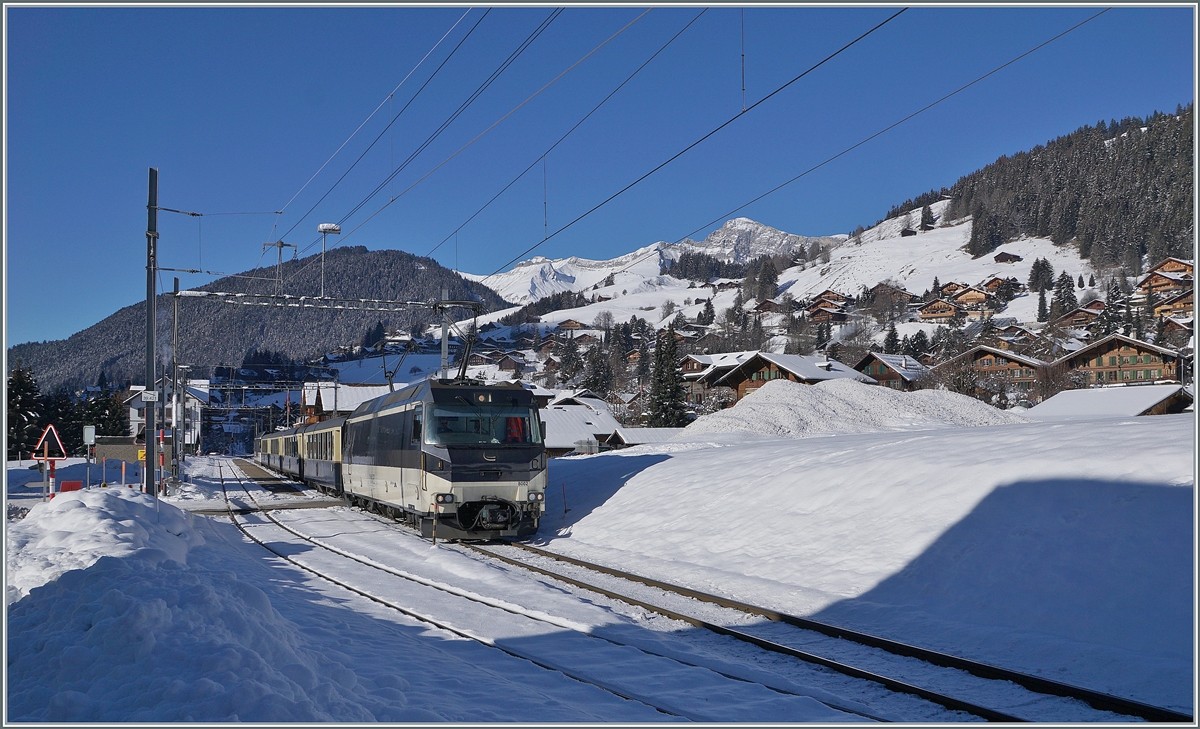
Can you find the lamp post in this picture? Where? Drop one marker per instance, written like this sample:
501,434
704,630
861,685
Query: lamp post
326,229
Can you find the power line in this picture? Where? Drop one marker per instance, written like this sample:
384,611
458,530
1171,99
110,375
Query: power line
370,116
886,129
494,124
393,121
542,156
693,144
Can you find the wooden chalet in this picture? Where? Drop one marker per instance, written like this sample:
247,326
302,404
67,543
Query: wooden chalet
832,296
1079,318
1173,265
571,324
1178,305
907,232
950,289
728,285
1172,325
971,297
893,293
1094,305
769,306
478,359
1003,257
763,367
585,339
987,361
896,371
940,311
510,363
828,314
701,371
1118,358
1164,283
550,365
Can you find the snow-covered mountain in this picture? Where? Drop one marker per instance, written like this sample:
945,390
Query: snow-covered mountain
740,240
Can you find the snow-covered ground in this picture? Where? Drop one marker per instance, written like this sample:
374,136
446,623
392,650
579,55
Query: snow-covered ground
1035,546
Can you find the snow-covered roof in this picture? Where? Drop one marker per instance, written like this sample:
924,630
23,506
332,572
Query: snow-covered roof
370,371
348,396
715,362
808,368
907,367
566,424
1100,402
638,436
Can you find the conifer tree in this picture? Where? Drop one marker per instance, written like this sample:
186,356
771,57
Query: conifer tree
666,409
768,281
597,373
926,218
1081,280
24,412
919,343
1091,280
708,315
1064,296
891,342
571,363
1043,313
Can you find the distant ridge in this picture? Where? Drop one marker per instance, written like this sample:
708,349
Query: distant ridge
212,333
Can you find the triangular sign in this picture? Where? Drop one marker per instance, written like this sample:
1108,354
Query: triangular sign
55,441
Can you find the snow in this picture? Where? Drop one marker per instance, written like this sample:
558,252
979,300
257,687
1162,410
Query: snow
1028,545
786,409
1103,402
1031,545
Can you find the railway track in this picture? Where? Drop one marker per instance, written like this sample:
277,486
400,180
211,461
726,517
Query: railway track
992,693
1034,692
679,673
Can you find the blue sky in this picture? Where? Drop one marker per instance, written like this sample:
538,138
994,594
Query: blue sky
238,107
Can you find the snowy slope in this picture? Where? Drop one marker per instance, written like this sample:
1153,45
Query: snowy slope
1024,545
881,254
739,240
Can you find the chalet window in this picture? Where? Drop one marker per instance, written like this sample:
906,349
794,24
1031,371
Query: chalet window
1112,375
1125,375
986,361
1112,361
1099,361
1157,374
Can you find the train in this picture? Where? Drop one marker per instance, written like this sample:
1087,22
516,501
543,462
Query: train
454,459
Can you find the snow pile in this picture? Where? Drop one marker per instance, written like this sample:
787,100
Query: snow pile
787,409
150,640
76,528
1035,546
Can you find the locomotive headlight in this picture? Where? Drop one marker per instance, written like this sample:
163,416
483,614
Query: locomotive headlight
535,464
444,498
536,496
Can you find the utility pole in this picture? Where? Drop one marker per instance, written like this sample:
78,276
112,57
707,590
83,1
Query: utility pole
279,264
151,272
445,333
175,399
326,229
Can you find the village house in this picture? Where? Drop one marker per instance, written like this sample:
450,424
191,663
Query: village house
1178,305
940,311
828,314
1003,257
763,367
1080,318
990,362
626,437
948,290
971,298
831,296
1118,358
769,306
1094,305
701,371
896,371
570,324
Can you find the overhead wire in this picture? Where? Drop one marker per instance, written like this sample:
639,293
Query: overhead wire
856,145
494,124
683,151
370,116
441,128
542,156
390,123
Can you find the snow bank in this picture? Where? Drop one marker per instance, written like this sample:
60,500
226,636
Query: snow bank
1036,546
137,639
75,529
786,409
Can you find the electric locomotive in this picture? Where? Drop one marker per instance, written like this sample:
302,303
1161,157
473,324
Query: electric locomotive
465,459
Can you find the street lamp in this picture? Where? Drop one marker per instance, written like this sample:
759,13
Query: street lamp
326,229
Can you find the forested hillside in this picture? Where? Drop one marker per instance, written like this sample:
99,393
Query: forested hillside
212,333
1119,191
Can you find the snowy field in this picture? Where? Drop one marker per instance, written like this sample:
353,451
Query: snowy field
923,517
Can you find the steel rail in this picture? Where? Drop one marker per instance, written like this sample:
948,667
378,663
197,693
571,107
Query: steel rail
418,616
1095,699
891,684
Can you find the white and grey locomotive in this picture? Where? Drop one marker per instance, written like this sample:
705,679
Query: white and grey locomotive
463,457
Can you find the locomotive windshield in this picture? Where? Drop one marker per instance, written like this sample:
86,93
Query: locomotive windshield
481,425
